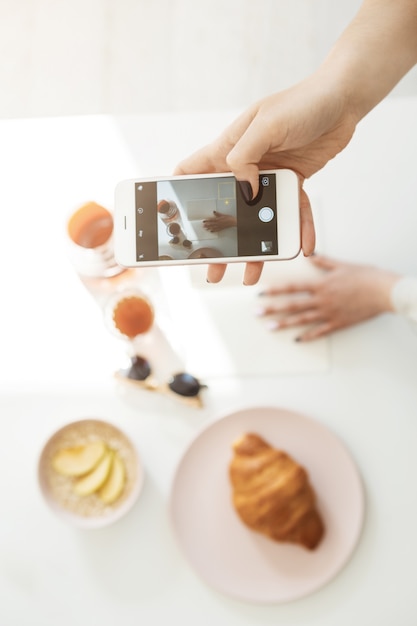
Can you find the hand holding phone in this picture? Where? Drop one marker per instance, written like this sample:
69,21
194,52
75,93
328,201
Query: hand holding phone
205,219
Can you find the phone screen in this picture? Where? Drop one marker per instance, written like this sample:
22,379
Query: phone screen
204,218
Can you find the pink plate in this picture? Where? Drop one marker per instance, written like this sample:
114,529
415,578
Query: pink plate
240,562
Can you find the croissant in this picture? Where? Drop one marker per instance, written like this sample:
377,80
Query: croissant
272,495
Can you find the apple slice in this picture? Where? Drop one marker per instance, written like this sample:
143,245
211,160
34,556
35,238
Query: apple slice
95,479
115,482
80,460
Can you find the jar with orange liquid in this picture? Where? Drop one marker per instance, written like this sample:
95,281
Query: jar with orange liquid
90,237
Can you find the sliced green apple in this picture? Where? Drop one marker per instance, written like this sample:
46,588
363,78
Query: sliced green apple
115,482
96,478
79,460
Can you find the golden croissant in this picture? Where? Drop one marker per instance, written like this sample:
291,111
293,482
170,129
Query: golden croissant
272,494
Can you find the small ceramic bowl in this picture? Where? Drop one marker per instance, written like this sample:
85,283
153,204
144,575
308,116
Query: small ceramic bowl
59,491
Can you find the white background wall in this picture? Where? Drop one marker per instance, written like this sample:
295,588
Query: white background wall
131,56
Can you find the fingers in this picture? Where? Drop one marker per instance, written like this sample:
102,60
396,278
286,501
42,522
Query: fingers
324,262
308,233
214,157
252,274
317,326
298,312
249,176
295,305
203,161
295,319
215,272
253,271
248,151
289,288
320,330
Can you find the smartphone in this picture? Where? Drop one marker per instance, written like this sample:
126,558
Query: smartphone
205,219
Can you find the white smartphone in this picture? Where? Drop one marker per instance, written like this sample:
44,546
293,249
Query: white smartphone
205,219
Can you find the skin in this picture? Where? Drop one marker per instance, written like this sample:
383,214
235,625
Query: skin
305,126
344,294
256,127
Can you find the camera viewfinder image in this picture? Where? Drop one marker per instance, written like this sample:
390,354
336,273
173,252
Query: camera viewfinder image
197,218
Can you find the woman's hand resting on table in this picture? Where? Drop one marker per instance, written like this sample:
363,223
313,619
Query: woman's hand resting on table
343,295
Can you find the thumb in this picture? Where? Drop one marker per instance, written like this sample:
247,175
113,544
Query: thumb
248,151
253,143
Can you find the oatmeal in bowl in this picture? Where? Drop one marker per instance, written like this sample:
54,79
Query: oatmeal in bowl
90,473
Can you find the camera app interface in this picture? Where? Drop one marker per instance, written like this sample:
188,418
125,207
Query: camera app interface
204,218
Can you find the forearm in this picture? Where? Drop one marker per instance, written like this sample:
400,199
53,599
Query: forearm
374,52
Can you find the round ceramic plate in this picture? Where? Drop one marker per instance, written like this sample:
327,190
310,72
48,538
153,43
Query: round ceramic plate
89,511
238,561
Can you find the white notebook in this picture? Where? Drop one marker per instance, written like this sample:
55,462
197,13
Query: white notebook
219,334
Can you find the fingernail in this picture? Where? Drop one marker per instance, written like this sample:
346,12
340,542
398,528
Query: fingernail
263,293
272,325
260,312
298,339
207,280
246,190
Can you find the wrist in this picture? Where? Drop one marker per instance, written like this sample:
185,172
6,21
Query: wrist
385,283
404,297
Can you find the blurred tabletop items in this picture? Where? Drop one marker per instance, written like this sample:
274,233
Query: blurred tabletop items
123,392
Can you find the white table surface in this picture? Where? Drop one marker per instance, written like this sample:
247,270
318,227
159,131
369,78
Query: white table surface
57,359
